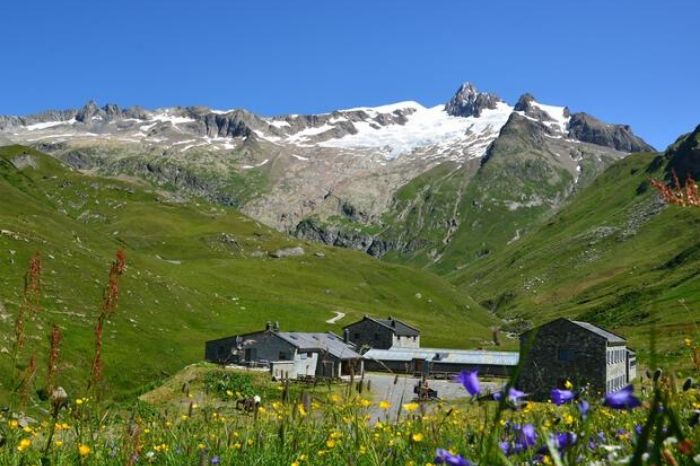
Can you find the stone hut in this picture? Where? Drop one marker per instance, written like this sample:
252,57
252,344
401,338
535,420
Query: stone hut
382,333
579,352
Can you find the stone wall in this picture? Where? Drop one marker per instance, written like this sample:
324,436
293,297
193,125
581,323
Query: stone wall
370,333
560,351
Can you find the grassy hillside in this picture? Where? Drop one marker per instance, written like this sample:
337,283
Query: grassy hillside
196,271
617,256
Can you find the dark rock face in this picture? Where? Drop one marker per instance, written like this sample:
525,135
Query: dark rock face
334,235
586,128
684,156
468,101
524,105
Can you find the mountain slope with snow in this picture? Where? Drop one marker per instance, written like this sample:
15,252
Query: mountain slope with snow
349,177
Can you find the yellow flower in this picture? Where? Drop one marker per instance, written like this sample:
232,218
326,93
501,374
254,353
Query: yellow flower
201,446
384,404
547,460
229,393
83,450
417,437
301,410
13,423
330,443
568,419
410,407
365,403
335,435
568,385
295,463
58,443
688,342
236,446
24,444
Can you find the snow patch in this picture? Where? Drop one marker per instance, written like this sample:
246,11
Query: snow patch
427,127
49,124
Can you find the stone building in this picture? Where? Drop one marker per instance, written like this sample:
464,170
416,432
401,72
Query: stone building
382,333
579,352
290,354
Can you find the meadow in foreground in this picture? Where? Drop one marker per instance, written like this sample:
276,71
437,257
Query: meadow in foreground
339,426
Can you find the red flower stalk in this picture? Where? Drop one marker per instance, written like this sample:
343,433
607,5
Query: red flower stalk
30,300
54,351
684,196
109,304
27,380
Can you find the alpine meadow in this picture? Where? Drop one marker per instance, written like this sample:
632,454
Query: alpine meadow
279,233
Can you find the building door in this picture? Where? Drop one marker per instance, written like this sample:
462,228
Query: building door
251,354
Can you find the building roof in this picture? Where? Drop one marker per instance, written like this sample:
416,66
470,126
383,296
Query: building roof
400,329
328,342
445,355
611,337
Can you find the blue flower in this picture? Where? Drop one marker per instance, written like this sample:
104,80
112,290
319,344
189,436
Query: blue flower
559,397
443,456
514,395
470,381
584,407
564,440
527,436
215,459
622,399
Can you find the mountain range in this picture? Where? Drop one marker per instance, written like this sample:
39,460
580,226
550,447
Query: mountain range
437,187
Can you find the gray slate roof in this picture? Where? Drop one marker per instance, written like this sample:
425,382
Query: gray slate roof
611,337
445,355
328,342
400,329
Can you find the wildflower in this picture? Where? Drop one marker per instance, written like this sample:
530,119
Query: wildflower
568,385
410,407
330,443
443,456
24,444
514,395
84,450
622,399
564,440
13,423
559,397
584,407
201,446
568,419
384,404
214,459
527,435
58,443
365,403
470,381
688,342
417,437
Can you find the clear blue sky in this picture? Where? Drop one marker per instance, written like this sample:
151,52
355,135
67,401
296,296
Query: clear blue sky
627,61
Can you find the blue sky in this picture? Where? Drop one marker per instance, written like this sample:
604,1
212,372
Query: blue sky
624,61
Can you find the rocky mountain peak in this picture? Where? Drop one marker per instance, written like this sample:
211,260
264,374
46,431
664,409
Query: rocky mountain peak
89,110
468,101
587,128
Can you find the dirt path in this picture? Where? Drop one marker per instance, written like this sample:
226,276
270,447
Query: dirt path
338,316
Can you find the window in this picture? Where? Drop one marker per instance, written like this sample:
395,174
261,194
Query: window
283,356
566,354
356,336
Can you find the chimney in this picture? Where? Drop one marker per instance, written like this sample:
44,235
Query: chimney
346,336
276,328
393,322
268,326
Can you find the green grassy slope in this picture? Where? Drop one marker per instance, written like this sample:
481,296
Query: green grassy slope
196,271
616,256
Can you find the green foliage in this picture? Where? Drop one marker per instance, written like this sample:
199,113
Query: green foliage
223,384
